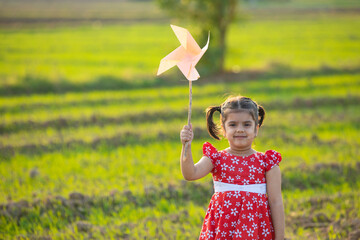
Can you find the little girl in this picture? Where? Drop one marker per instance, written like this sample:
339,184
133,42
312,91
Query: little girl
247,203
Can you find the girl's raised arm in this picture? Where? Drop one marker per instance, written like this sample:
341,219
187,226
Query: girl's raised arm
273,185
188,169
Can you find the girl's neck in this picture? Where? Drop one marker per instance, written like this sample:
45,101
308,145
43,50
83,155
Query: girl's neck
241,152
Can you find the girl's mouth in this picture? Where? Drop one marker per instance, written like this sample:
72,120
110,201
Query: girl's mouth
240,137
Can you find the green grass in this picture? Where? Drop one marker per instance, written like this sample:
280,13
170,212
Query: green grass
309,44
89,138
84,57
317,138
80,54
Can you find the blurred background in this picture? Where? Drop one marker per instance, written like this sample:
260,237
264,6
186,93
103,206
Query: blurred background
89,135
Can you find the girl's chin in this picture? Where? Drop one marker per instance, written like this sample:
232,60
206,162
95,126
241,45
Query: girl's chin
241,140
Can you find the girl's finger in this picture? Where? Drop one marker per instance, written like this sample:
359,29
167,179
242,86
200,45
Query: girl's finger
186,131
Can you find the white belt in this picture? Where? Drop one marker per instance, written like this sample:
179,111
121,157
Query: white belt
255,188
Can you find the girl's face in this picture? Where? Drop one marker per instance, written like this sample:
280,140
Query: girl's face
240,130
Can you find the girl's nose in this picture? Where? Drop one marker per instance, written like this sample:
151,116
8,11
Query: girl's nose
240,130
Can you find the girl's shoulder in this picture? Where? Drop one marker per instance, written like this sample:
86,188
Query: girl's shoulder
210,151
271,158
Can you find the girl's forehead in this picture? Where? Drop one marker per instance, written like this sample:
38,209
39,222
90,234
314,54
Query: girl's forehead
239,115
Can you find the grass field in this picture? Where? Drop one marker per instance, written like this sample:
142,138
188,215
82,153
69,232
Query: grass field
89,137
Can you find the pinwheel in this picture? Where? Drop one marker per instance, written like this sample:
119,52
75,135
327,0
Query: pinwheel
186,56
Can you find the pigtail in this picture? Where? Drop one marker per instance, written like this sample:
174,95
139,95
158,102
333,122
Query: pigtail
261,115
212,128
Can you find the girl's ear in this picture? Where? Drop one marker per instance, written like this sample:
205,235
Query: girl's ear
257,130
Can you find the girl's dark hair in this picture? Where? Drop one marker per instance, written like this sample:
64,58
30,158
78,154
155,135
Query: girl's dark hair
237,103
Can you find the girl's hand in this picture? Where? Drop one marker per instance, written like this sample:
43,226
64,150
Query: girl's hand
186,134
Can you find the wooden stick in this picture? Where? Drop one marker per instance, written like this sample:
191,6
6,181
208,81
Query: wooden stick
190,102
189,115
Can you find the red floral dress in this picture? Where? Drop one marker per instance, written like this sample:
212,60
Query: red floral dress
239,214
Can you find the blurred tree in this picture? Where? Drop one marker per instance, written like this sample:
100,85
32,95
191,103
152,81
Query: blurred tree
213,15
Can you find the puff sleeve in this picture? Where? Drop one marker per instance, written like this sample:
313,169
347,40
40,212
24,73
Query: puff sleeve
211,152
272,158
